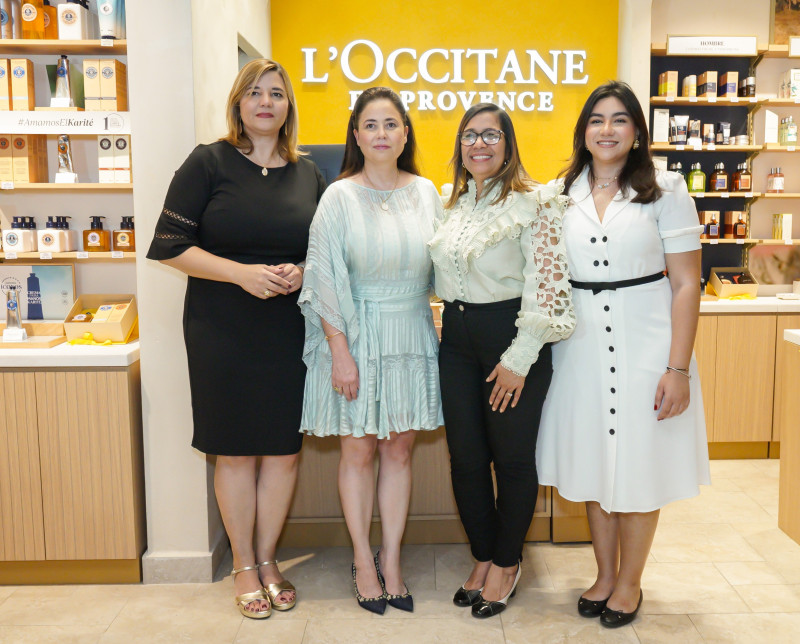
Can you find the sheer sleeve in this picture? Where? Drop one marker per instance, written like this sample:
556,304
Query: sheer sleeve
188,195
326,291
321,186
547,314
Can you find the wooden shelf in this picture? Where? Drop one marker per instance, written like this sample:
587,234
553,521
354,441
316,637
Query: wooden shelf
780,195
729,241
58,47
725,195
71,256
741,101
776,51
780,242
75,187
777,147
669,147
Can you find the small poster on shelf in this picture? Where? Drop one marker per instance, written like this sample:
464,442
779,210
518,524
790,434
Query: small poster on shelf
44,291
785,21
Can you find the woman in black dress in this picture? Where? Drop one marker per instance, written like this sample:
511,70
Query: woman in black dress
236,220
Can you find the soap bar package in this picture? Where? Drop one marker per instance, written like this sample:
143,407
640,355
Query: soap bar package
728,281
114,319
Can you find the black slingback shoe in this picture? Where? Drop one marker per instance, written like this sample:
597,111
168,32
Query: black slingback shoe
616,618
375,605
590,607
465,598
485,608
403,602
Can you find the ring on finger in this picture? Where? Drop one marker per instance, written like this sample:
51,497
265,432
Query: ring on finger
338,390
509,393
267,293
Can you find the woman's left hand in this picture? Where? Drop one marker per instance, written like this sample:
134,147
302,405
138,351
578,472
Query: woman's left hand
507,387
672,395
291,273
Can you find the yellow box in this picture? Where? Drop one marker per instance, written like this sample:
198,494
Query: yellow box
91,84
707,84
689,86
23,94
21,159
118,331
113,86
5,84
668,84
6,160
720,276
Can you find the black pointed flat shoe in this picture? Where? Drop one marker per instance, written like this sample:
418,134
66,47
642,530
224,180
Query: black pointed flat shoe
616,618
375,605
590,607
485,608
402,602
465,598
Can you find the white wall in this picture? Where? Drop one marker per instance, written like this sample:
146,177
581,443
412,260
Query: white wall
705,17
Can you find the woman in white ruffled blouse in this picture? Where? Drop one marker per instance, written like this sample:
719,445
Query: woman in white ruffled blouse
500,268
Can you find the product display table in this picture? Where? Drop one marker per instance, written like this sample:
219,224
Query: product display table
71,470
789,494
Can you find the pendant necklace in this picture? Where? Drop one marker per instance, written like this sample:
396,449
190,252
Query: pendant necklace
384,202
264,169
599,186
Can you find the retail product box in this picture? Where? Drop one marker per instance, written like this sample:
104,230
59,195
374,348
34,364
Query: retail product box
660,126
122,158
115,319
770,126
708,133
782,226
6,160
5,84
789,84
689,86
113,86
727,281
75,22
729,220
668,84
91,84
29,158
105,158
729,84
23,95
707,84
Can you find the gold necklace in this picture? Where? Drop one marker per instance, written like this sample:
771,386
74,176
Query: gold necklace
264,169
384,202
603,186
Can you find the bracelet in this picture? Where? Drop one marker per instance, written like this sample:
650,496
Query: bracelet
683,372
333,335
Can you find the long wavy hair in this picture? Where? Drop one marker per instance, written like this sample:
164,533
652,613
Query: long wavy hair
353,161
246,79
639,172
512,176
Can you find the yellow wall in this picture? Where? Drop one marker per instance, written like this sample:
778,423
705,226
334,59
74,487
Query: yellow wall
516,25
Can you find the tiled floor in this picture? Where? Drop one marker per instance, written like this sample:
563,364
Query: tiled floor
720,571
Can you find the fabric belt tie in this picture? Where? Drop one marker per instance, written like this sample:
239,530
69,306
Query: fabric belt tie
596,287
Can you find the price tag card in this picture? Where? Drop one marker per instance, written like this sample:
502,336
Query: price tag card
82,254
790,148
788,242
797,99
725,195
693,99
680,147
748,195
10,254
106,42
712,146
670,99
734,99
698,147
700,195
753,99
713,241
117,254
7,185
712,99
740,241
45,255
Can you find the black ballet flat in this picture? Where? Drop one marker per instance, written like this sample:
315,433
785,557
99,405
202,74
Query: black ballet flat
402,602
375,605
616,618
465,598
485,608
590,607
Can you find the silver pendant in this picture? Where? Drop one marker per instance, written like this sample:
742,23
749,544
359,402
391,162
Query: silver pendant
384,206
264,171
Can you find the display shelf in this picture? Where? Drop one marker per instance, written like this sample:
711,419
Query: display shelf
777,147
71,256
660,49
669,147
741,101
780,242
730,241
58,47
780,195
726,195
75,187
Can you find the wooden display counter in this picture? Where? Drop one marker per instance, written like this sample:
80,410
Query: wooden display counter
71,467
789,491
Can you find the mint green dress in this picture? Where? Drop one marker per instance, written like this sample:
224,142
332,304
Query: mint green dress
368,273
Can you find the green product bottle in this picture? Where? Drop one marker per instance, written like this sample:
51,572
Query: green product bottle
697,179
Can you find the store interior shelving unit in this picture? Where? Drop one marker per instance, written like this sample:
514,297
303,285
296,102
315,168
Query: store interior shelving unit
746,117
100,272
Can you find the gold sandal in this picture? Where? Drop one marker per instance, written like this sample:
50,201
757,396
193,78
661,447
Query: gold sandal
246,598
273,590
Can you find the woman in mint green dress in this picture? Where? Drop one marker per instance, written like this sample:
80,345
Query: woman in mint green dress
371,348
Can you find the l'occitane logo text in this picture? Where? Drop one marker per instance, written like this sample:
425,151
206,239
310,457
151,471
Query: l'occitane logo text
558,66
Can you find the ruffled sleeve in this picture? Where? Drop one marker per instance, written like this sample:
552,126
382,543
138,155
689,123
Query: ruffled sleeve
547,314
678,222
326,291
187,198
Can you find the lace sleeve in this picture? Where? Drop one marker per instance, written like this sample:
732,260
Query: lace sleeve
547,314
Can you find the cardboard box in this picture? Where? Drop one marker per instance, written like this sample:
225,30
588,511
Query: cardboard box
113,86
782,226
689,86
23,94
91,84
105,158
668,84
770,126
5,84
722,281
789,84
122,158
119,331
660,126
707,84
6,161
729,84
29,158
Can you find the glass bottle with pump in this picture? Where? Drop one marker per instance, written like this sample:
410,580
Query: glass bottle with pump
719,179
96,239
697,179
712,229
125,236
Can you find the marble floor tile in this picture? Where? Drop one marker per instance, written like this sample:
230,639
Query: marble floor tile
741,573
77,605
72,634
272,629
684,588
733,469
666,629
701,542
776,628
713,506
769,466
453,563
771,598
571,566
387,630
6,592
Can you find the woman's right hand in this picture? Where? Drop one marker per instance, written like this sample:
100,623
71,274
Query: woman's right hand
344,375
261,280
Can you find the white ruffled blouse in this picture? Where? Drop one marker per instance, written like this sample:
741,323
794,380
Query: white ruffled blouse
484,252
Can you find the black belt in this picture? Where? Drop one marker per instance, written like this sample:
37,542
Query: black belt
596,287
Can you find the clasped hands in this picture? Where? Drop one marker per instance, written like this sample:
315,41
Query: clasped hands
266,281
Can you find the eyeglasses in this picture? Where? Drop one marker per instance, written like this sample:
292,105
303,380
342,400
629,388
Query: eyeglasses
490,136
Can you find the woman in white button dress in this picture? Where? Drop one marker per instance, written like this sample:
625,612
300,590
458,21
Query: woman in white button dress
622,427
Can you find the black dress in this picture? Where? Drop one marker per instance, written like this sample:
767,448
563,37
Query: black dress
246,371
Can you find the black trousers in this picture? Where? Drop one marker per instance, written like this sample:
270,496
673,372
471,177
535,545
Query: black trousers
474,336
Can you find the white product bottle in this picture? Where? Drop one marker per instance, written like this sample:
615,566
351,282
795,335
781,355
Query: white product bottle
19,238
